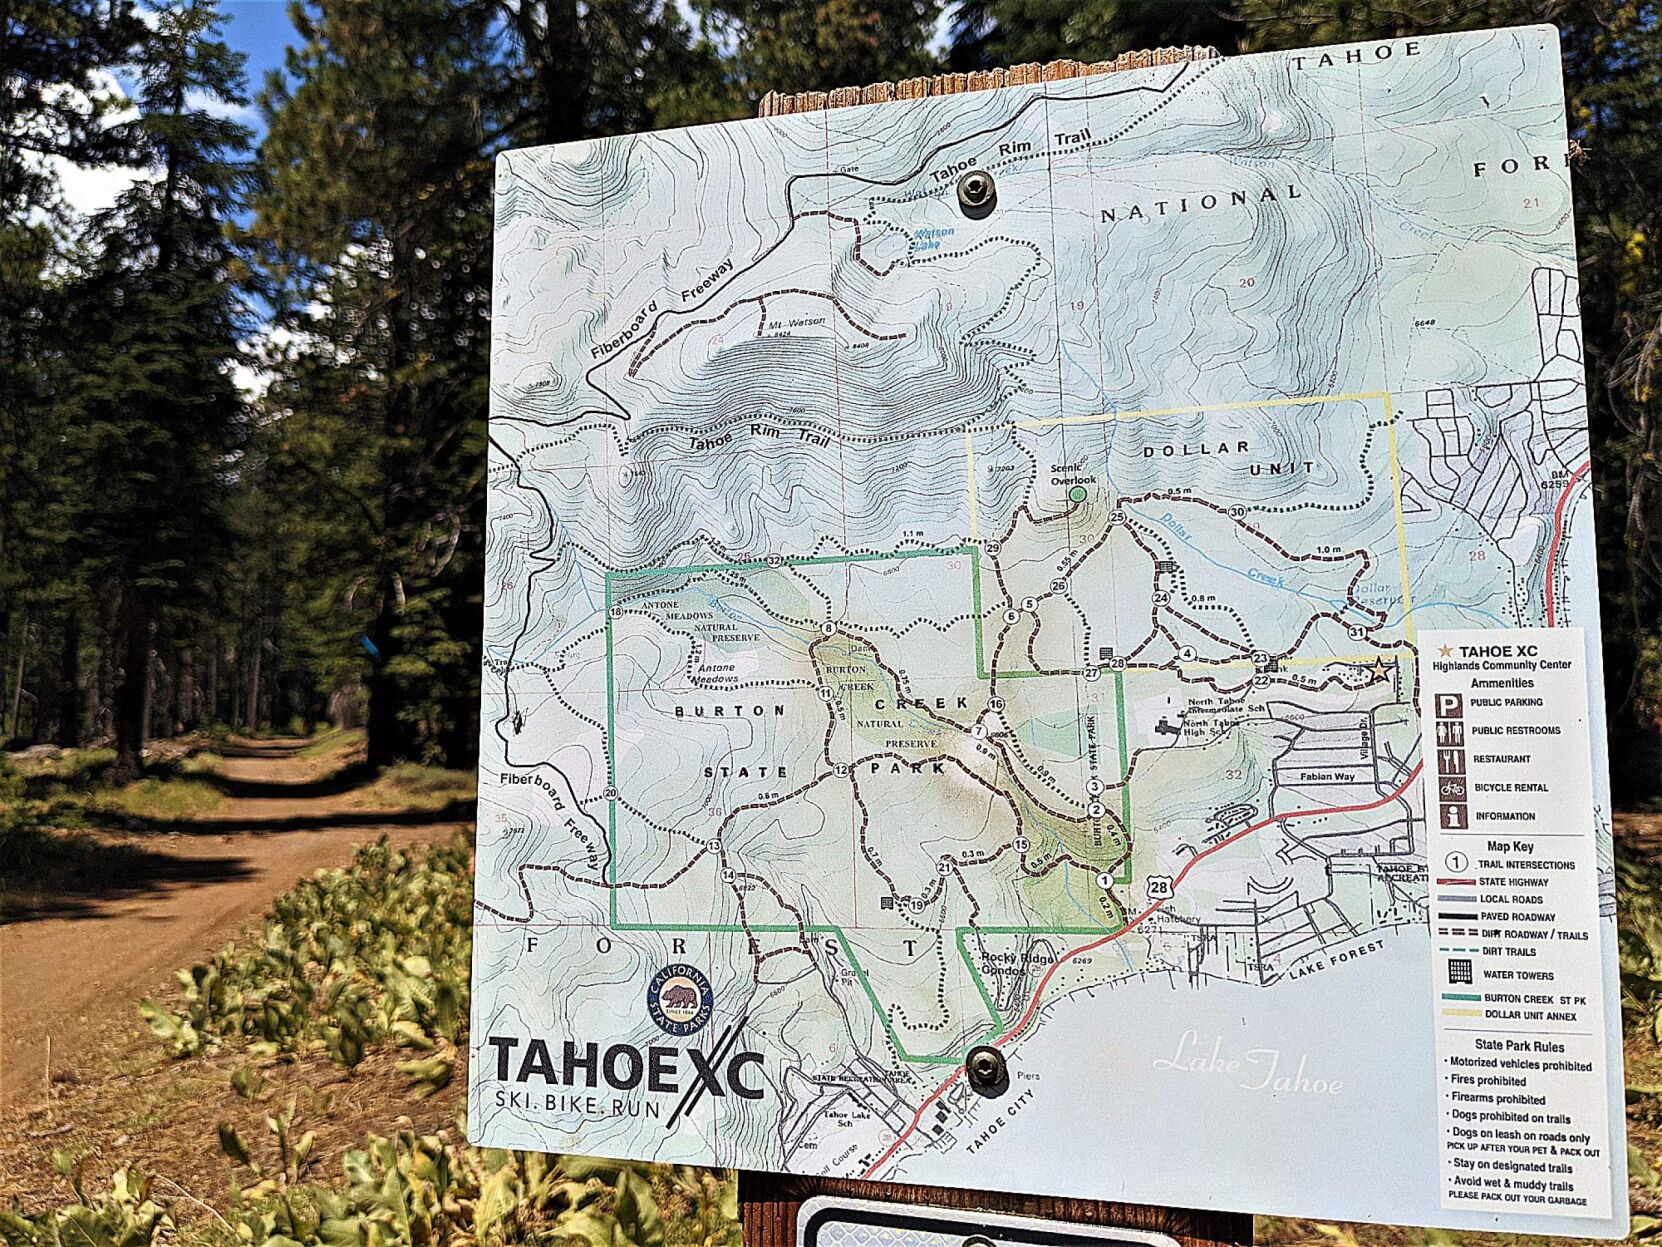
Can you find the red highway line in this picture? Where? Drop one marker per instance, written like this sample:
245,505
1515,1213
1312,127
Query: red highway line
1558,537
1038,992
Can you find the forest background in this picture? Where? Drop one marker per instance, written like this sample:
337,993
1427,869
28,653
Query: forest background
243,403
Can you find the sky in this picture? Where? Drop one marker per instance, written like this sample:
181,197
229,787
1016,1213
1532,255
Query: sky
260,30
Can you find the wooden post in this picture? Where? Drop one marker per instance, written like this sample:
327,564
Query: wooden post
768,1202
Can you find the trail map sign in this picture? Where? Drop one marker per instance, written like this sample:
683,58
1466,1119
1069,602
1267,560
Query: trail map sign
1135,613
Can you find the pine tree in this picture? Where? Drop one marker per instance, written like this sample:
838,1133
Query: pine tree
807,45
55,62
376,214
153,418
607,67
987,33
56,108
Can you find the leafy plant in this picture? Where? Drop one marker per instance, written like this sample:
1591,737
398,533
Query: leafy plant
412,1190
377,951
126,1217
1644,1195
1639,942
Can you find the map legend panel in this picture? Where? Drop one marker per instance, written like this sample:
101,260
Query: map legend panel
1523,1113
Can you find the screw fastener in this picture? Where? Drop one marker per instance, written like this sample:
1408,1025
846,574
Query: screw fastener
987,1071
977,195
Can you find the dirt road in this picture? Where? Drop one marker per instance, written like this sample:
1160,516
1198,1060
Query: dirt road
76,976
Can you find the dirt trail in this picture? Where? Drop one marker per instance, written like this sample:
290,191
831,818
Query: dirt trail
76,977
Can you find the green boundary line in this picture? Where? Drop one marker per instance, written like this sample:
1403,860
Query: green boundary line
1124,879
617,924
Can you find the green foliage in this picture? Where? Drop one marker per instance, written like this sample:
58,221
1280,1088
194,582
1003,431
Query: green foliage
413,1190
1645,1187
427,1191
378,953
152,413
55,52
162,799
53,808
1639,942
375,221
803,45
412,786
375,952
987,33
127,1217
12,813
71,770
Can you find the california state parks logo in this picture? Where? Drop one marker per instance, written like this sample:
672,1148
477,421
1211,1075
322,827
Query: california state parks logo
679,999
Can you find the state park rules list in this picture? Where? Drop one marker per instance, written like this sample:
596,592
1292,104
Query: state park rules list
1518,973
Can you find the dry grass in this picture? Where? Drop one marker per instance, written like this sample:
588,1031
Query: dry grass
161,799
143,1110
411,786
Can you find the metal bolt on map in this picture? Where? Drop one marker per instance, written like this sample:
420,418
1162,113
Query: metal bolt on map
988,1073
977,195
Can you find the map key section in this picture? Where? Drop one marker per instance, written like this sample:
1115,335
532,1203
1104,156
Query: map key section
1514,913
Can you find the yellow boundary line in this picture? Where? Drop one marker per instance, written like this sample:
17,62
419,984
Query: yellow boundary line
1402,534
1107,417
1111,417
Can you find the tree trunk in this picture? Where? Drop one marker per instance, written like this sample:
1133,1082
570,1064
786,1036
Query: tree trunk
381,729
178,688
186,702
102,724
132,692
254,687
69,695
149,696
213,679
235,705
5,657
17,686
158,714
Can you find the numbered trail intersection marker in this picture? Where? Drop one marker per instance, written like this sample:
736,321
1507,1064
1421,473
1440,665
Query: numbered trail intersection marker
1046,639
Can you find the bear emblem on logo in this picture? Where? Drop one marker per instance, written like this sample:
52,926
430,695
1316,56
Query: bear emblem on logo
679,999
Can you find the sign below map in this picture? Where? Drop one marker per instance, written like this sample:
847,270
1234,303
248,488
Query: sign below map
1009,629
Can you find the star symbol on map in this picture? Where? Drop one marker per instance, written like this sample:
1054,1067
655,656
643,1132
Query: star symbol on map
1445,650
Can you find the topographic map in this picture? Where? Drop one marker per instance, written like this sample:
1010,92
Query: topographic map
911,628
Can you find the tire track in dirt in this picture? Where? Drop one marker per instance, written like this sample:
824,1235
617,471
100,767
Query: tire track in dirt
76,977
